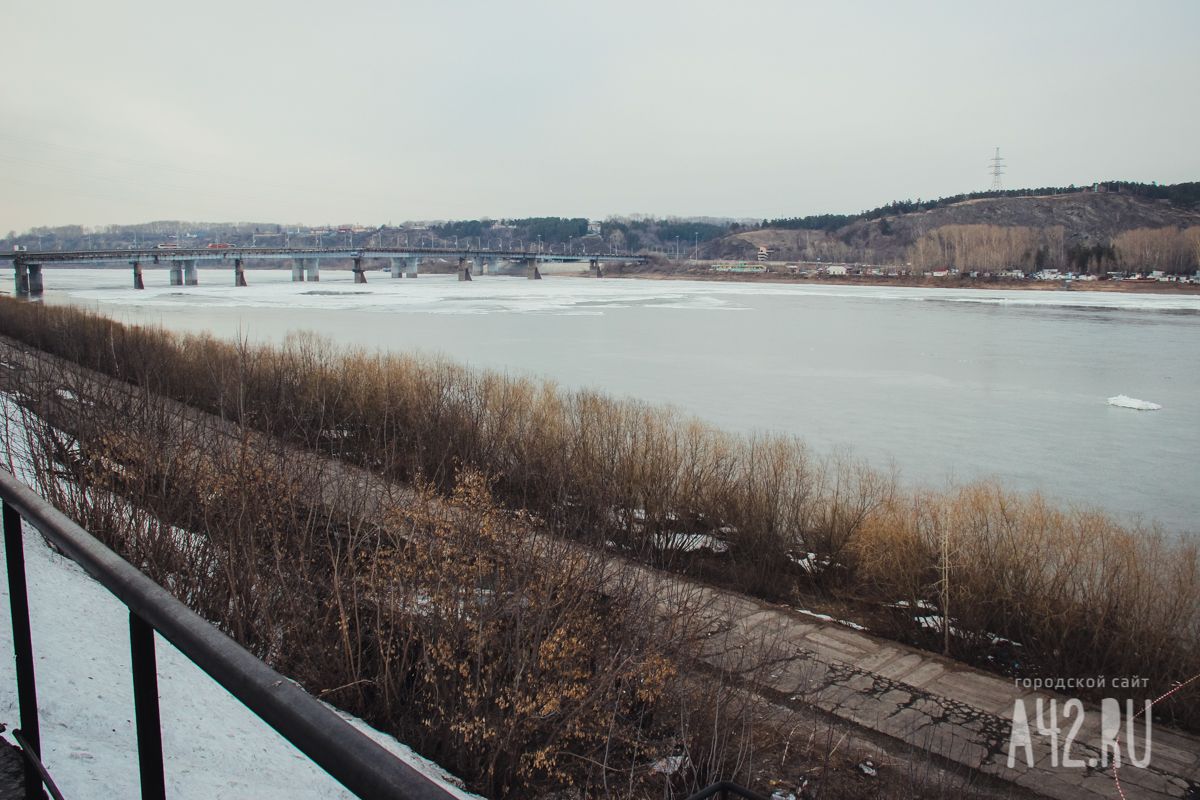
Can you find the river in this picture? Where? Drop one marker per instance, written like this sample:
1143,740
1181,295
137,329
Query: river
949,385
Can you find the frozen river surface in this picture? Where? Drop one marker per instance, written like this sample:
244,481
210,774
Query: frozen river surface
947,384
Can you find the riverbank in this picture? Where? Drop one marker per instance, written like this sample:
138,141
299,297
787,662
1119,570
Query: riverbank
1081,593
921,282
707,669
929,704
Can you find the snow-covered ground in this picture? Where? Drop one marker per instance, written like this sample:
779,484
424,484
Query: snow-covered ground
214,747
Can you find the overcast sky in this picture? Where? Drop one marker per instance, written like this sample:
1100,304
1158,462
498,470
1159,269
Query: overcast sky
376,111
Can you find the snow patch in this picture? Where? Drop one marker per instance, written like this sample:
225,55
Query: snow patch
809,562
827,618
669,765
690,542
213,745
924,605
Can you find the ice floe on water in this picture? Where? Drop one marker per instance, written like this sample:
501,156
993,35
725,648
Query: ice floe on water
1125,401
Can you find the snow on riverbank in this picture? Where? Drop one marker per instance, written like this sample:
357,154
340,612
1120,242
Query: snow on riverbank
1124,401
213,745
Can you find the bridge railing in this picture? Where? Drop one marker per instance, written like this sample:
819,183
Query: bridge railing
351,757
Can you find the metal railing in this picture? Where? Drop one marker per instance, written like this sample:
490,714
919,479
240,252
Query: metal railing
357,762
725,790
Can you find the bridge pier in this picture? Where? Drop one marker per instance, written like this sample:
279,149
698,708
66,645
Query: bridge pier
477,265
190,276
27,279
306,269
464,271
137,276
359,275
397,266
411,267
309,268
531,270
597,270
239,272
176,273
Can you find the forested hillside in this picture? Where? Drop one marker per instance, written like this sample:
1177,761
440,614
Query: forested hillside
1106,227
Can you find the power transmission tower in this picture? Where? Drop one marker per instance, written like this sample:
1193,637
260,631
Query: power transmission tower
997,169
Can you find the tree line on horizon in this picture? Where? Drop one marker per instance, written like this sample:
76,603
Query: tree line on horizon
1183,195
993,248
681,237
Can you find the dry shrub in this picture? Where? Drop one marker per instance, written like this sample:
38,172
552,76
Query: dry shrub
512,669
1081,593
522,663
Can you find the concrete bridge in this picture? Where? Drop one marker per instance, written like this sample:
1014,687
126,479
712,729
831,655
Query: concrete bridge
306,262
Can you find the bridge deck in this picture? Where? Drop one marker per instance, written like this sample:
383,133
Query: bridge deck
157,255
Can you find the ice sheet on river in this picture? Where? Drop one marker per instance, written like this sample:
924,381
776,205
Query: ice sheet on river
559,295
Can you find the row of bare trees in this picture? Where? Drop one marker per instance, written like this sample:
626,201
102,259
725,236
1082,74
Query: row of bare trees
989,248
998,247
1171,249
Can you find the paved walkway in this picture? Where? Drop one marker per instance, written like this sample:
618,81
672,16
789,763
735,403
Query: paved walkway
958,713
936,704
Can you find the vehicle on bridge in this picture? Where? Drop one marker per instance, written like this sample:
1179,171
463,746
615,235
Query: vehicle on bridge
219,246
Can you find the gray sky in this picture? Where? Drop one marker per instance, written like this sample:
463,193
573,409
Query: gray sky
371,111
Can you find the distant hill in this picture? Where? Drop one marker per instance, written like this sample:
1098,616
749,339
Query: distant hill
1077,221
1107,225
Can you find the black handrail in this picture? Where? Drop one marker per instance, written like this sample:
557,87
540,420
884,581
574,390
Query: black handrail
725,790
361,765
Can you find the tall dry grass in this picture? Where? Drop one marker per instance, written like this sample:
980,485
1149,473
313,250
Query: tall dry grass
1082,595
521,663
524,663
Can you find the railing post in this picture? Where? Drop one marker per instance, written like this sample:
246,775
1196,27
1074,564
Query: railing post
18,595
145,708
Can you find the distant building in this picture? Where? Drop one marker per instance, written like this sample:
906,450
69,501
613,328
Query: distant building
593,226
763,252
835,269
